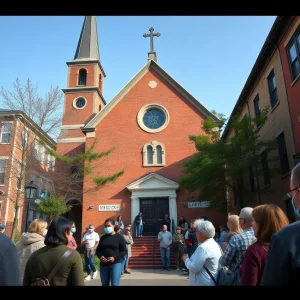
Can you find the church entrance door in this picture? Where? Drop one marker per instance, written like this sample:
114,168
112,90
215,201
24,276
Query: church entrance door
153,210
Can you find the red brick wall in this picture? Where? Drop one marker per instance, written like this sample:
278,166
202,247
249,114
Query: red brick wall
119,129
293,91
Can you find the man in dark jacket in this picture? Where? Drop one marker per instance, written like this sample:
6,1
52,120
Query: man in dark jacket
283,260
167,221
9,268
139,224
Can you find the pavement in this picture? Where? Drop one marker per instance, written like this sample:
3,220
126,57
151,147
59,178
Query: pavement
148,278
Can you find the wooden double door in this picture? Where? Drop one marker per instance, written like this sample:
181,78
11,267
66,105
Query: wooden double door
153,210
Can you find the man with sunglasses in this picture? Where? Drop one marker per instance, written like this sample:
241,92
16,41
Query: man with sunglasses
283,261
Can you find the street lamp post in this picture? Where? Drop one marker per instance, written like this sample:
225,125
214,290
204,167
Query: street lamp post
30,192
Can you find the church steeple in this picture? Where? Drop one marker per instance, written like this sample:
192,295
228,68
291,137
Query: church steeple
88,47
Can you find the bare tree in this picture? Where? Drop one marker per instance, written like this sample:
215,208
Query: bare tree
45,112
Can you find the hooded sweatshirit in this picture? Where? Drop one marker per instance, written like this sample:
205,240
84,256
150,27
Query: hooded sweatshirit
29,243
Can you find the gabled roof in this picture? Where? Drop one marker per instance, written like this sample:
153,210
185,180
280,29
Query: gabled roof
153,181
151,64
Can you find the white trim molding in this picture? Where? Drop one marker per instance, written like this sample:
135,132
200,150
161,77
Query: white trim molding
147,107
153,186
77,126
71,140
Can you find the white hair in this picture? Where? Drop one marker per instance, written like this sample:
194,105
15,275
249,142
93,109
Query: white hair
205,227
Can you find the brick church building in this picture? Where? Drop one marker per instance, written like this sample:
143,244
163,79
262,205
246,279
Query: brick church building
148,124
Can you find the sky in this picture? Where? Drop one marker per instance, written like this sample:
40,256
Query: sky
211,57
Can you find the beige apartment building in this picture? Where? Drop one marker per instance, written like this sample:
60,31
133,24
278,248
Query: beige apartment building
22,160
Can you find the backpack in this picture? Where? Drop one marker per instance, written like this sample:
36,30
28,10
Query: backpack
226,277
45,281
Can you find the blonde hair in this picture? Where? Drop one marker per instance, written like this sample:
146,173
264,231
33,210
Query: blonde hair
234,223
37,225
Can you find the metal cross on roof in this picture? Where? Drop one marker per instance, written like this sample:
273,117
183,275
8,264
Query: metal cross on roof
151,35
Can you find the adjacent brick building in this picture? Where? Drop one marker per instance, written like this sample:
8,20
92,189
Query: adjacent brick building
267,85
289,48
148,124
22,160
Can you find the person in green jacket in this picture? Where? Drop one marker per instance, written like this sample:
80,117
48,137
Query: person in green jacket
41,262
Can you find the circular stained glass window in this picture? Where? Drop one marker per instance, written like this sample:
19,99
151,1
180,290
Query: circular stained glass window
80,103
154,118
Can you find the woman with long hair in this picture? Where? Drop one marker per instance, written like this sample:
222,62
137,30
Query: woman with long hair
268,219
234,227
31,241
41,263
110,251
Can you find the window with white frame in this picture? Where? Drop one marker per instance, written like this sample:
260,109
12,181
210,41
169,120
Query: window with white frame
44,217
42,155
51,162
37,215
154,154
6,133
2,171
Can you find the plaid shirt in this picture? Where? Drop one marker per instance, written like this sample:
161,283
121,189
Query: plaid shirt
235,250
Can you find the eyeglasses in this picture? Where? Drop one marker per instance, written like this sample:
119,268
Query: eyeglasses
289,193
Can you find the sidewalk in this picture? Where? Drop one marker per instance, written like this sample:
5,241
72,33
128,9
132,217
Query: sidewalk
149,278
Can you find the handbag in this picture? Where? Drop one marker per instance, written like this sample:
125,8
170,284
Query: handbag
45,281
226,277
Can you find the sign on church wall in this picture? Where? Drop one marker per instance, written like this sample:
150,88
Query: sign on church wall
201,204
111,207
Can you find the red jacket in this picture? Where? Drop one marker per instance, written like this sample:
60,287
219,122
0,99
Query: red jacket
253,265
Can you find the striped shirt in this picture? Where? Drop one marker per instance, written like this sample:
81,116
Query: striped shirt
235,250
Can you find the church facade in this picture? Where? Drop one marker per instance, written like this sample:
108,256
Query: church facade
148,124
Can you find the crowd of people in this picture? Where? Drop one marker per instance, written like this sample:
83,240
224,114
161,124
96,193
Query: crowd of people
258,247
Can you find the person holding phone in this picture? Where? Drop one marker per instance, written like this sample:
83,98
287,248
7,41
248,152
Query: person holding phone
110,251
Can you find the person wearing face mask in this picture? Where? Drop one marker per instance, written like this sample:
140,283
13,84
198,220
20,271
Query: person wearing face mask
110,251
72,243
90,241
282,265
42,262
30,242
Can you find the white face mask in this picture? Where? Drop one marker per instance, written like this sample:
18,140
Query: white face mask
45,232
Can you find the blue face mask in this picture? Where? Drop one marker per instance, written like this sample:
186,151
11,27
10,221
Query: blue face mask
297,213
73,230
108,230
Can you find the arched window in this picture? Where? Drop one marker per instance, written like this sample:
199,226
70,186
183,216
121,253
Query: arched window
75,172
159,154
149,155
82,77
154,154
